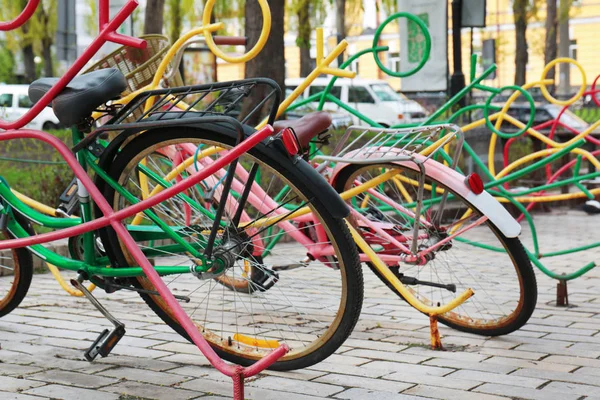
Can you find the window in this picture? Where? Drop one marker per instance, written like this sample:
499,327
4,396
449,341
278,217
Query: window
6,100
385,92
573,49
24,102
394,62
354,66
335,91
357,94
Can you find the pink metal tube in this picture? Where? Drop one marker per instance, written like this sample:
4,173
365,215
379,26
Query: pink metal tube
21,18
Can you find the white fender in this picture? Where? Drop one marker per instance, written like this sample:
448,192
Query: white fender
485,203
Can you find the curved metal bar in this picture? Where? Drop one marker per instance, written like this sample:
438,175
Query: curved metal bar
21,18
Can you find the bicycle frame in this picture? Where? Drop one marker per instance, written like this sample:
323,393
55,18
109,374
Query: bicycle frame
88,191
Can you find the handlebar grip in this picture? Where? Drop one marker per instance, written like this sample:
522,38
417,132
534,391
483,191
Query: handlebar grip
231,40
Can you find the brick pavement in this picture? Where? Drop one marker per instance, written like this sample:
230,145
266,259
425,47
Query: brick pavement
555,356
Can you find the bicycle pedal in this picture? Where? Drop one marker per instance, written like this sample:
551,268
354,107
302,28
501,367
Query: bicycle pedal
68,199
105,343
264,279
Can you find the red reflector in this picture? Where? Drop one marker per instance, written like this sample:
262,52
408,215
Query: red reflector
290,141
474,182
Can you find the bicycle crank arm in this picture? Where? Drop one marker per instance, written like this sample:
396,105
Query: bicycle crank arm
152,292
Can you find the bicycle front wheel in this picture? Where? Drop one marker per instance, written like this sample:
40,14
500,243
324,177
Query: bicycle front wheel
480,257
290,293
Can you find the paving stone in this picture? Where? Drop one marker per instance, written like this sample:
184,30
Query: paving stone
11,384
69,393
572,388
148,391
72,378
17,396
524,393
559,376
512,379
365,383
140,375
294,386
364,394
448,394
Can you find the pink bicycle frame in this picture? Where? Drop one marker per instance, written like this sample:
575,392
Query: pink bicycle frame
13,131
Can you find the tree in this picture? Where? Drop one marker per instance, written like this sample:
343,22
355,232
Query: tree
523,10
310,13
154,18
550,49
270,61
36,36
43,26
177,11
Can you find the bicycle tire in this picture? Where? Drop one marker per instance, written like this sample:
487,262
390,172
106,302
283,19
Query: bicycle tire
350,273
525,276
21,264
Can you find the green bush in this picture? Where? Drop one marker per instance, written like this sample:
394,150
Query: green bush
35,168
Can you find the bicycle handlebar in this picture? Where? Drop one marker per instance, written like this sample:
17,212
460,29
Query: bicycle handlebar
21,18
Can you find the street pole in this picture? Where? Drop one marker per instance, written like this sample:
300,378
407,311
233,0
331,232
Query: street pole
564,42
457,81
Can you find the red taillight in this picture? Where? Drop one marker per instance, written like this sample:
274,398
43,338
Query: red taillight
290,141
474,182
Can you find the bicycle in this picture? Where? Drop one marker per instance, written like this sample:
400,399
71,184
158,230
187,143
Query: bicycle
305,129
217,234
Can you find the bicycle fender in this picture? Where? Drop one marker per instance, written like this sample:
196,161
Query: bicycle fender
485,203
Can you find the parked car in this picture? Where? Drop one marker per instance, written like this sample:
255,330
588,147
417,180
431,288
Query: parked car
373,98
15,102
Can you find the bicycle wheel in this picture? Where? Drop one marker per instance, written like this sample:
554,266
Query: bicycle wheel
481,258
16,271
312,305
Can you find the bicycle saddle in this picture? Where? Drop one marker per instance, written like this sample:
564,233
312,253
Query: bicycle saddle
306,127
83,95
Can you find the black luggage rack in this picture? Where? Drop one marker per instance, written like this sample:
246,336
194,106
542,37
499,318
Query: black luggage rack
225,102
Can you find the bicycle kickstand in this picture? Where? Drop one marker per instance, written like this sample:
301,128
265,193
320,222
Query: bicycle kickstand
107,340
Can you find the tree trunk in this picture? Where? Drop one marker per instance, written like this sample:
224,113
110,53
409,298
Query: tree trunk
303,40
340,18
521,56
176,20
550,50
29,63
154,19
564,44
270,62
47,54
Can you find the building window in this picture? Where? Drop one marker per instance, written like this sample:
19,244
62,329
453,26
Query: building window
354,66
573,49
394,62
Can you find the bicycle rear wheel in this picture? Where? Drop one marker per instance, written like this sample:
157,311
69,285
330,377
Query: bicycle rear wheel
311,305
481,258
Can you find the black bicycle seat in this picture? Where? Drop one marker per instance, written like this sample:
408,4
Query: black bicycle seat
82,96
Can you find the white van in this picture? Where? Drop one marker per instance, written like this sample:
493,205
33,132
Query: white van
14,103
373,98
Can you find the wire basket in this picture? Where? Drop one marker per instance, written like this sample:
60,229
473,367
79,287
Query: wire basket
365,145
140,65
